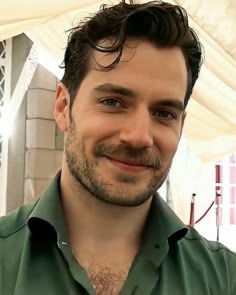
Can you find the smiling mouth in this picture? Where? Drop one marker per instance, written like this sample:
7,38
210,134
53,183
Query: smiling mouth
129,166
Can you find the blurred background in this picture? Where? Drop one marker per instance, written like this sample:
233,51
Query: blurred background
201,186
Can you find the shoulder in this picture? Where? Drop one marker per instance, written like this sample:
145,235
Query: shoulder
210,258
14,221
211,247
205,254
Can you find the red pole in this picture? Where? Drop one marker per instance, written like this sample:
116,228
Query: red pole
192,211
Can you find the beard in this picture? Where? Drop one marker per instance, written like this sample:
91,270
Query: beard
124,192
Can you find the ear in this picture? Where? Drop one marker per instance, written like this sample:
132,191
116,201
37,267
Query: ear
61,107
182,121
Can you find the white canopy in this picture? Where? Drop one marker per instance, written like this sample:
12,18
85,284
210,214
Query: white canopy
211,122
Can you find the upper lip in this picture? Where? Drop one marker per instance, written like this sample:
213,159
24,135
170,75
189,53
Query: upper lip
129,162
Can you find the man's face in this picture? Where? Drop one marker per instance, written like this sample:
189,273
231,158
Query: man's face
126,123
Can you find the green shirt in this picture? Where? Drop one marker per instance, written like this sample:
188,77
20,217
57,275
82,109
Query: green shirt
36,259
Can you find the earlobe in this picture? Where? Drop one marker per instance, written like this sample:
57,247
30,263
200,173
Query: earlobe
61,107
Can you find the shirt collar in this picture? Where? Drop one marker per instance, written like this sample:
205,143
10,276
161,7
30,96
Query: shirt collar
163,224
47,219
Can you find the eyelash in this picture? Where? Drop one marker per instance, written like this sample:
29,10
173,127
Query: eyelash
172,114
111,99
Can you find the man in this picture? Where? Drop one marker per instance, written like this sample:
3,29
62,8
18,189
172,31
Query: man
100,228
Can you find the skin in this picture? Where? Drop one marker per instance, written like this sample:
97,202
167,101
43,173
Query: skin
120,139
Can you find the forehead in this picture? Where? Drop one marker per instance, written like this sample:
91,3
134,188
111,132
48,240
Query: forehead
143,67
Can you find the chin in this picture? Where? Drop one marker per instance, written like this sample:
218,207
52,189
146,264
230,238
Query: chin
124,194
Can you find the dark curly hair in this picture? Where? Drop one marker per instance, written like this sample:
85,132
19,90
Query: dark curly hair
161,23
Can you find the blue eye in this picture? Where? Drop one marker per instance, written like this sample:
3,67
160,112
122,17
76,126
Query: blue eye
111,102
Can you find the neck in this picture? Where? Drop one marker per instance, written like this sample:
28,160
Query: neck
96,227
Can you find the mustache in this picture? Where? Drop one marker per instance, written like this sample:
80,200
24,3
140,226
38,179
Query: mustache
125,152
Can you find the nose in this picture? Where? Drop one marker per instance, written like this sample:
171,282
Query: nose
136,129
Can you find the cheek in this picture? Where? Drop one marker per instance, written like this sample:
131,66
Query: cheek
93,131
167,145
98,126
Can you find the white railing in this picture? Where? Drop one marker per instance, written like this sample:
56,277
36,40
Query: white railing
5,94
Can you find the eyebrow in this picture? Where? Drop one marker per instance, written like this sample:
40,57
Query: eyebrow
113,88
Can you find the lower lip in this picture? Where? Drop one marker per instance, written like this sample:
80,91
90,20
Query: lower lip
128,168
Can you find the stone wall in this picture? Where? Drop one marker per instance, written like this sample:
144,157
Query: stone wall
44,141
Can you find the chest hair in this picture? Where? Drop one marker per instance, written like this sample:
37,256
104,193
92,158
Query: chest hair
107,281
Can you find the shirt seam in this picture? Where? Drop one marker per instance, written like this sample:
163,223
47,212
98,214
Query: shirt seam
14,232
18,228
209,248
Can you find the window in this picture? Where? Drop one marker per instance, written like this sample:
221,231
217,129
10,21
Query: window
226,189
